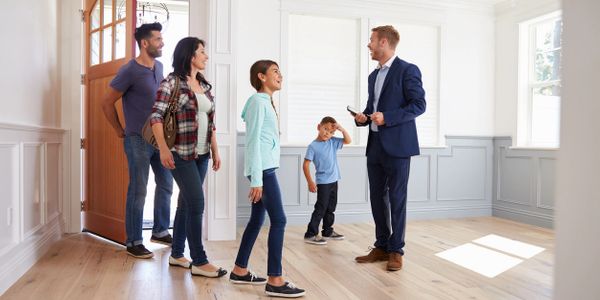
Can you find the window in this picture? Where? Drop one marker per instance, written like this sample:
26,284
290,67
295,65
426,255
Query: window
539,101
327,67
322,75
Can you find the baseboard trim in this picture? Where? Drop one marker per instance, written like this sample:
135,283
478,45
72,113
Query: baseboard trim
365,216
523,216
18,260
449,212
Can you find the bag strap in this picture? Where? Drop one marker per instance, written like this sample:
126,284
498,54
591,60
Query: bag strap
175,95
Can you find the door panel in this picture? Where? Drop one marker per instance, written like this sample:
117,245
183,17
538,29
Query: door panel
106,177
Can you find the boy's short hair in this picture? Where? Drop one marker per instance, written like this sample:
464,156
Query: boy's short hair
328,119
145,32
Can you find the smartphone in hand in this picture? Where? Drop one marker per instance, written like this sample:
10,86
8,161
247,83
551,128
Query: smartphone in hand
353,111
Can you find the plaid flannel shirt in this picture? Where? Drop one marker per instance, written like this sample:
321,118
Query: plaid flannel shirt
187,108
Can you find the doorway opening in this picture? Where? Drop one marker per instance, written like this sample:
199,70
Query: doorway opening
174,29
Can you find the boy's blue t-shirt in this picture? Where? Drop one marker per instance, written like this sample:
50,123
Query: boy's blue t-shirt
323,155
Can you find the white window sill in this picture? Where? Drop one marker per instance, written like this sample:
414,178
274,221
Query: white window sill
534,148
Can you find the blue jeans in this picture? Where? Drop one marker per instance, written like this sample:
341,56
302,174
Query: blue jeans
272,204
140,156
189,175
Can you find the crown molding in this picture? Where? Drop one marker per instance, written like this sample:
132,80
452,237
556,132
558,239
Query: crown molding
473,6
525,8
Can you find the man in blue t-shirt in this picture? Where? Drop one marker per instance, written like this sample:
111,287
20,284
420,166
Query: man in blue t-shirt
322,152
137,83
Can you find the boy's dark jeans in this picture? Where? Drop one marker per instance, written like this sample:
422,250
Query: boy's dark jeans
324,209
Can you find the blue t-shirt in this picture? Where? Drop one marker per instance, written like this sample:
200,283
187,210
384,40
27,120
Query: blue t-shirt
323,155
139,85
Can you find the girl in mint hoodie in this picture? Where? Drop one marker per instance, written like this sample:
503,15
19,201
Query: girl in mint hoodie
260,164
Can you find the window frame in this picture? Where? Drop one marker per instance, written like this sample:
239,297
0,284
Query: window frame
528,82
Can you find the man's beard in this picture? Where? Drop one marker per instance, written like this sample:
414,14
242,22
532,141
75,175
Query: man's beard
154,53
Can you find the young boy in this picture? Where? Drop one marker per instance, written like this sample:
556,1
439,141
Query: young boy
322,152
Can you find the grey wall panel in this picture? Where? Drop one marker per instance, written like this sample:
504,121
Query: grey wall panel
288,176
546,183
242,182
419,179
353,187
451,181
524,178
463,174
515,180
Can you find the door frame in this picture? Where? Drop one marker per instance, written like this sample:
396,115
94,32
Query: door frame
217,227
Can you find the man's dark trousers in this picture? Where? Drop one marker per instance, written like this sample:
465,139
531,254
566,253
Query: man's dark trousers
387,174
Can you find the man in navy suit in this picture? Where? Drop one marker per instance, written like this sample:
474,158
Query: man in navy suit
396,98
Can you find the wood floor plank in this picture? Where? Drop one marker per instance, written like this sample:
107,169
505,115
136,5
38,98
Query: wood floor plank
82,266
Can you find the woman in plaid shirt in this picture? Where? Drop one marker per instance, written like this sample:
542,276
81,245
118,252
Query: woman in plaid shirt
195,143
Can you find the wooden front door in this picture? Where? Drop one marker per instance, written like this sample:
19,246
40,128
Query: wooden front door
109,26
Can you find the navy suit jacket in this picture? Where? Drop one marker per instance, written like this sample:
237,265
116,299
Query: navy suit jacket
402,99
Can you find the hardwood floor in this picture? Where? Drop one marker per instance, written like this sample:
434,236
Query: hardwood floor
81,266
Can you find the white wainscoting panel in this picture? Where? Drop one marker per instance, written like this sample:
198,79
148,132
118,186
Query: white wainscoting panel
223,26
31,185
53,179
213,21
223,91
221,209
9,206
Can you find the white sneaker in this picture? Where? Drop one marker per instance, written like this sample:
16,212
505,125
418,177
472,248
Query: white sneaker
180,262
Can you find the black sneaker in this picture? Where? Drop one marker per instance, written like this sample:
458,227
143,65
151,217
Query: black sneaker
139,251
288,290
334,236
165,240
249,278
315,240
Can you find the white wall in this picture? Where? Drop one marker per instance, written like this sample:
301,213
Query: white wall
29,60
578,198
467,52
33,146
508,16
258,33
467,79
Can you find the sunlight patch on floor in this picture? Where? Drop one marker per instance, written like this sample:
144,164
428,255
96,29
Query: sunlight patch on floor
509,246
492,256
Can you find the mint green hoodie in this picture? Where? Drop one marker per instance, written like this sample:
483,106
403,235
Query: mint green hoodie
262,137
